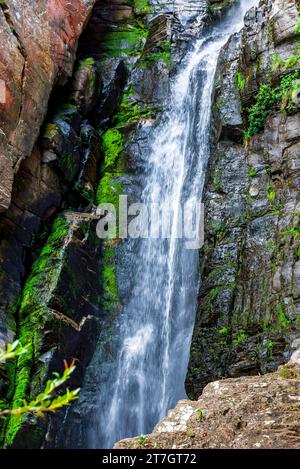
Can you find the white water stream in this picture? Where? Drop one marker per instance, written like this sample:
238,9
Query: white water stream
157,322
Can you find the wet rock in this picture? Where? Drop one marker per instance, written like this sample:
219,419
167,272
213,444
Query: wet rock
88,175
86,86
252,328
59,311
60,140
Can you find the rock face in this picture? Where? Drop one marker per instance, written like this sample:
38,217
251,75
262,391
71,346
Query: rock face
150,64
246,413
38,46
71,168
61,287
248,316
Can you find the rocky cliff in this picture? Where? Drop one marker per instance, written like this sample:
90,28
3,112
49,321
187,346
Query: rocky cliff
38,47
253,412
248,316
58,283
72,137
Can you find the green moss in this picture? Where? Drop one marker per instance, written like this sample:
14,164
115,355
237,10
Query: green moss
288,372
33,314
241,82
110,287
109,190
86,63
282,319
85,190
130,110
111,297
50,131
112,147
297,27
224,330
68,163
142,7
217,7
126,40
163,54
239,338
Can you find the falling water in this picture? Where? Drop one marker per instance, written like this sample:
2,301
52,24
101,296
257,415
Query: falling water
157,322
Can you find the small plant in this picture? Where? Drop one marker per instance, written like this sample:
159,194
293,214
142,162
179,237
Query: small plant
200,415
294,231
142,440
46,401
240,81
297,27
270,99
282,319
190,432
240,338
263,108
270,347
224,331
277,63
252,173
291,61
12,351
271,194
288,372
213,294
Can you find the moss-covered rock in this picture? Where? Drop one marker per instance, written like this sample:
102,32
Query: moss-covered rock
59,299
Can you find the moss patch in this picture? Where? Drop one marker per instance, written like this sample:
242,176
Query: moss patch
112,147
109,190
130,110
142,7
33,315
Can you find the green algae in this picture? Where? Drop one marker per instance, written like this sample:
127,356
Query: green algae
86,63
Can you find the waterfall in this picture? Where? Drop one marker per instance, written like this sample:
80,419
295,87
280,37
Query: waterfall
157,322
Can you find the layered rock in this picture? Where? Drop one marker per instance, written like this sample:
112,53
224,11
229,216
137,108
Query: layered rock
125,148
61,173
248,316
39,299
62,289
241,413
38,46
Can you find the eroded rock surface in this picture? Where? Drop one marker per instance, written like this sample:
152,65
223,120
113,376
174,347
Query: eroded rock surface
248,316
247,413
38,45
60,288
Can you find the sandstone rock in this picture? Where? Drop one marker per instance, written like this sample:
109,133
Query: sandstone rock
38,45
245,413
